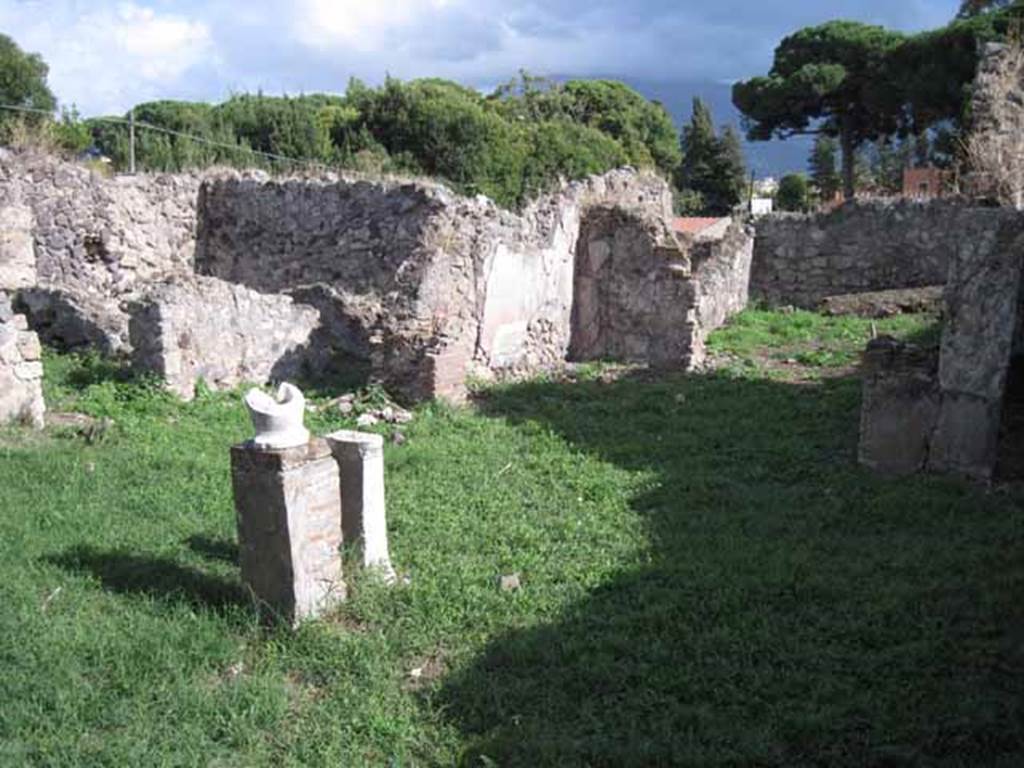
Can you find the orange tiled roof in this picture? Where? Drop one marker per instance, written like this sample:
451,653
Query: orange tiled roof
691,225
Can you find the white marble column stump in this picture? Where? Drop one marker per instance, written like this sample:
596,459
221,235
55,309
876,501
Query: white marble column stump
289,529
360,457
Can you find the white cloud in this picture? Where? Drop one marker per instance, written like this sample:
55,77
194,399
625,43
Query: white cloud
362,26
106,58
106,55
162,46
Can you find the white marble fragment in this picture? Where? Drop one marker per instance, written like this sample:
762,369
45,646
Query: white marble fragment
278,422
360,457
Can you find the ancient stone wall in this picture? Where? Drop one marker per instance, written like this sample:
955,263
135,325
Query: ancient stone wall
225,334
104,235
995,147
422,280
721,276
82,242
982,304
949,419
598,254
424,284
629,304
861,246
21,372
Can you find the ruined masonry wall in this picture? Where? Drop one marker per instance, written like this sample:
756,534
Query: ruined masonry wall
21,371
224,334
99,235
721,275
946,418
424,284
861,246
996,144
418,278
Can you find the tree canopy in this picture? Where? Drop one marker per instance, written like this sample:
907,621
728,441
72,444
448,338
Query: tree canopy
712,175
792,194
509,145
971,8
822,165
23,80
829,79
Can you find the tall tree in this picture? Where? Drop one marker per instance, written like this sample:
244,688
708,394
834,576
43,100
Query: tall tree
822,165
828,79
971,8
23,80
713,172
732,168
792,194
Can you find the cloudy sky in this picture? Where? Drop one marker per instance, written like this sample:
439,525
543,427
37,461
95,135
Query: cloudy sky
106,55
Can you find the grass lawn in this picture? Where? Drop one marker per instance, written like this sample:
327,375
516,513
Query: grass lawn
708,578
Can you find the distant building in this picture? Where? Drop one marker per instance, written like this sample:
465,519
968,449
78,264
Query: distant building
925,183
761,206
701,227
766,187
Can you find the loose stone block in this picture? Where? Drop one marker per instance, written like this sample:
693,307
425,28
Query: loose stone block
289,529
360,457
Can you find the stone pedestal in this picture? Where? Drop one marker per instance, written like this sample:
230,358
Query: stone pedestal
289,529
360,458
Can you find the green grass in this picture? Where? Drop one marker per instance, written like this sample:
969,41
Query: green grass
707,579
804,344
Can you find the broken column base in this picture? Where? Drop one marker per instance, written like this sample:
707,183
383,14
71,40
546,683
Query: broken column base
287,506
360,458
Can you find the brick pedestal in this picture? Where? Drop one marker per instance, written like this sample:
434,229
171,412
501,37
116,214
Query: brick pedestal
287,505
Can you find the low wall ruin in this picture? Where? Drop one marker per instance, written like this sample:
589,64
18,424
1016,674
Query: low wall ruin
223,334
869,245
721,274
949,417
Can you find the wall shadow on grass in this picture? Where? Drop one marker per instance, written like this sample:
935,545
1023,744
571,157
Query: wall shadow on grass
214,549
796,609
159,577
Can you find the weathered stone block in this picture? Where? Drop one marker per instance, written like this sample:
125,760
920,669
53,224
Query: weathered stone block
287,506
360,457
17,252
899,409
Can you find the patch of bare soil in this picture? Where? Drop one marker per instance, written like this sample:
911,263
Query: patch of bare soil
782,364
